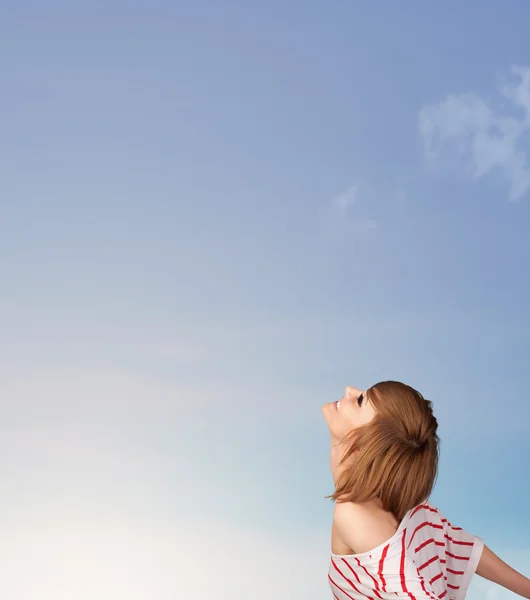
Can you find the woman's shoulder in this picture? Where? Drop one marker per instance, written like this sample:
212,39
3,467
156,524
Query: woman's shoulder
363,526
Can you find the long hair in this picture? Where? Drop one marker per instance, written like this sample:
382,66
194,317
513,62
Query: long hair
394,457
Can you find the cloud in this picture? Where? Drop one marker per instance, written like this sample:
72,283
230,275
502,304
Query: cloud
343,202
485,138
340,223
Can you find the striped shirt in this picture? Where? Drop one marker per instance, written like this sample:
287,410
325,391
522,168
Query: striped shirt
426,559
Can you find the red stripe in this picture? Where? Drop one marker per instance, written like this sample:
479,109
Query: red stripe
402,566
352,570
427,543
453,587
422,581
457,557
435,578
381,564
458,541
372,577
338,586
424,524
424,507
334,595
442,594
426,564
444,520
424,544
349,581
454,572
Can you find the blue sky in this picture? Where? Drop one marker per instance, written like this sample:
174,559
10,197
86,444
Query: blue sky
213,217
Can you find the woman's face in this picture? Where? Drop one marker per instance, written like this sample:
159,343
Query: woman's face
353,410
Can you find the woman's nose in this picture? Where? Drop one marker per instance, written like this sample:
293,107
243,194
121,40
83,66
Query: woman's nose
351,392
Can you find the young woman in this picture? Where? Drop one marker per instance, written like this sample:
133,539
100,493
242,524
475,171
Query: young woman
388,541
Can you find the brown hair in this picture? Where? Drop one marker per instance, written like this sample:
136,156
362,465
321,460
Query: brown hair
395,456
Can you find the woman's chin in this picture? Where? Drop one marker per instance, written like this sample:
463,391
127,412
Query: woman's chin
328,410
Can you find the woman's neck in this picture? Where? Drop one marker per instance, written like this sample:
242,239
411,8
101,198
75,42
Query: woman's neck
336,453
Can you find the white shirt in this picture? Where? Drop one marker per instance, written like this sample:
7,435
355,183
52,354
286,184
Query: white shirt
426,559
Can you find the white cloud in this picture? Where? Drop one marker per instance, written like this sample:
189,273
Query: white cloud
487,139
343,202
340,224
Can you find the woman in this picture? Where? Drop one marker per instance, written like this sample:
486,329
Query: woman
387,540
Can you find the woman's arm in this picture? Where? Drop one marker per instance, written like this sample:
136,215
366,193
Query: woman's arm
493,568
